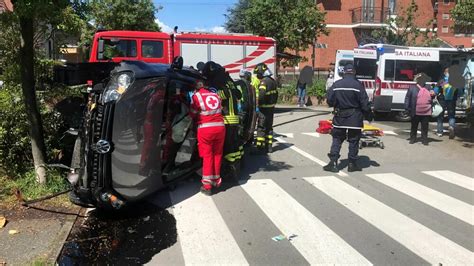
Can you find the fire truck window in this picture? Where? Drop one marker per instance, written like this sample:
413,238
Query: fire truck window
389,70
121,48
405,70
365,68
152,49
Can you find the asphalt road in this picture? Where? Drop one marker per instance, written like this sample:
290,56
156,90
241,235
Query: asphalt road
411,205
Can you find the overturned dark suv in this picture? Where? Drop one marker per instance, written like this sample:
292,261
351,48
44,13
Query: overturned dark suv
136,135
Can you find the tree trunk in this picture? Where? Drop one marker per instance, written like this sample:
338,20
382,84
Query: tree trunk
38,148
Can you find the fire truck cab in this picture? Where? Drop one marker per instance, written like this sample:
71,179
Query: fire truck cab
233,51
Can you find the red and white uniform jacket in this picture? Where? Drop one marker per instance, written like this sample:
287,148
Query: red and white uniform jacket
206,108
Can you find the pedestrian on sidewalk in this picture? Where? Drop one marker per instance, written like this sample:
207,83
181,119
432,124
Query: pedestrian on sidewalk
301,93
447,96
206,109
418,101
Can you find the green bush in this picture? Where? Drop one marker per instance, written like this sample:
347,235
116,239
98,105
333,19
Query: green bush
29,187
15,148
287,91
318,88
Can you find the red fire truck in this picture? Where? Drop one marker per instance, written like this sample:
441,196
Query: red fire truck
233,51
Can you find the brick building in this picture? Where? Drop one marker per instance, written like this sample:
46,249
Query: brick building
351,22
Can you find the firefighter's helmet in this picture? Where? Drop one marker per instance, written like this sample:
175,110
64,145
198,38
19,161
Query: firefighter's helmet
261,70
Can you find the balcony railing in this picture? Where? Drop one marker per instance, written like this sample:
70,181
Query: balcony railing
370,15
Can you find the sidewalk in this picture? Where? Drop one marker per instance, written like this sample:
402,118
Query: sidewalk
40,234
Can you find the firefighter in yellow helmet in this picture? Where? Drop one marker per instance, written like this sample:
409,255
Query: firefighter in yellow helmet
267,99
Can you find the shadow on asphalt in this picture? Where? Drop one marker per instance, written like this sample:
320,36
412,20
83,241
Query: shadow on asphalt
363,162
130,237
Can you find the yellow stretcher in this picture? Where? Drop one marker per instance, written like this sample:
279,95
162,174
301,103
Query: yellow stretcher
371,136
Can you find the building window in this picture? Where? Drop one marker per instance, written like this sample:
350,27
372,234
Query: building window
445,15
445,29
446,2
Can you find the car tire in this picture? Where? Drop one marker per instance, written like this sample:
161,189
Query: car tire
403,116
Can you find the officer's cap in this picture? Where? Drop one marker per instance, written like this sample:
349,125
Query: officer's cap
349,68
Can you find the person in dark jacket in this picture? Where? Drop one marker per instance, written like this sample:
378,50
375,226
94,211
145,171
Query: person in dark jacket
351,104
418,101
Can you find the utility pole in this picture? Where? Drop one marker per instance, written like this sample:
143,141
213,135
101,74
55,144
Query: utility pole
313,55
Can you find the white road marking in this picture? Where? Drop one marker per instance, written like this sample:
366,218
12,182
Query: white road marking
388,132
408,131
312,134
453,178
421,240
314,240
433,198
204,236
286,135
307,155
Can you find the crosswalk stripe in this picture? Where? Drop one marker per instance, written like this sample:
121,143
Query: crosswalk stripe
204,236
309,156
314,240
421,240
453,178
312,134
440,201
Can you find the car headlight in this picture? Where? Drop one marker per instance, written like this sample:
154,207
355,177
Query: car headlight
117,86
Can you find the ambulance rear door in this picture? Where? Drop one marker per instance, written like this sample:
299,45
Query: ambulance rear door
365,64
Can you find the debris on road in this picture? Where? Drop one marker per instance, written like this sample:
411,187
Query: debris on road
281,237
146,219
278,238
13,232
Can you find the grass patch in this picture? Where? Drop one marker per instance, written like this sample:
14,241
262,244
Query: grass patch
30,189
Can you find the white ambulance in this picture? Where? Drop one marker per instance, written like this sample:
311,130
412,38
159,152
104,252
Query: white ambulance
387,71
343,57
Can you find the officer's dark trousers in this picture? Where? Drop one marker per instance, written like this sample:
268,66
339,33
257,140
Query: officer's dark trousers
265,127
338,137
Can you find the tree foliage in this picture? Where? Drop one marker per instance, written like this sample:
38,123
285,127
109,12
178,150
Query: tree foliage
123,14
463,16
294,24
403,30
235,17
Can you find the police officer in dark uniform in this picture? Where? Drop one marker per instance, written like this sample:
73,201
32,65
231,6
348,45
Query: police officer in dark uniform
351,105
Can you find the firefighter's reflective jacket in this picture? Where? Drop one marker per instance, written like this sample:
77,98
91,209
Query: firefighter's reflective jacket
267,93
229,96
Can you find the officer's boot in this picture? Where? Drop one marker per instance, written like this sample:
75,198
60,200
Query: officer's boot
353,167
331,166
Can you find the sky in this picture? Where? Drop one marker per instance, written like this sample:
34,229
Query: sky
193,15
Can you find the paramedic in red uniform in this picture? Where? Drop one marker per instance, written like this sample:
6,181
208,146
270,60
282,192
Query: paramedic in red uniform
206,109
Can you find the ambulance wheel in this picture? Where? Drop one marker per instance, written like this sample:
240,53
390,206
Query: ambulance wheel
402,116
